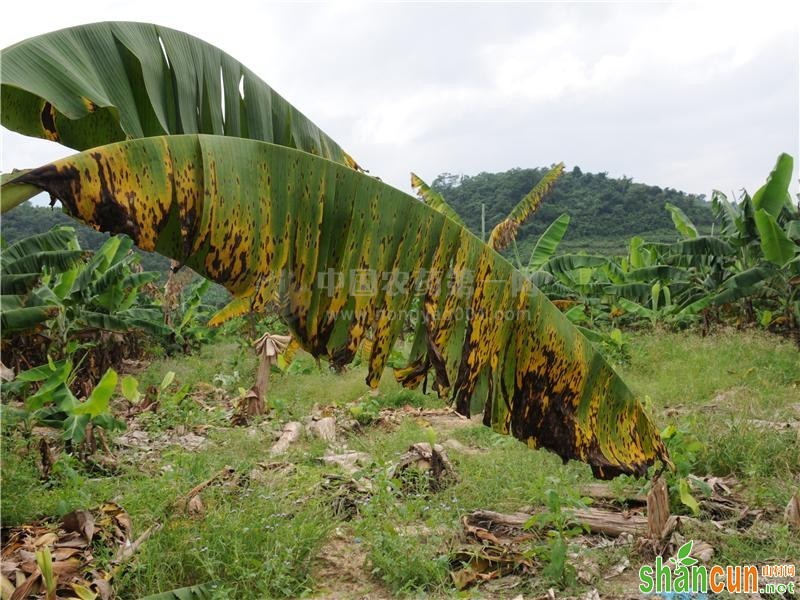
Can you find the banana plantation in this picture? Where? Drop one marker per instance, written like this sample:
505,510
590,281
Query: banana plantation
388,404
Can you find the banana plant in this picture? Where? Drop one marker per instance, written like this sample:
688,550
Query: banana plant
190,329
23,305
756,255
77,302
265,217
54,405
261,218
102,294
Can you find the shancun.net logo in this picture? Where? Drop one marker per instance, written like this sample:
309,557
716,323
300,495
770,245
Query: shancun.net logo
686,576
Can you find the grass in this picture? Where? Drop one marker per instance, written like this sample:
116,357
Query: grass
262,538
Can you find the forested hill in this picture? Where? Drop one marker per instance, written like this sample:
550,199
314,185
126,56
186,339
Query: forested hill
605,212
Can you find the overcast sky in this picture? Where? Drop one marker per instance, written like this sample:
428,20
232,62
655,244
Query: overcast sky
683,95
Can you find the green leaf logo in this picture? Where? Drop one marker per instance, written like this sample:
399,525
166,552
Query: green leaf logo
682,558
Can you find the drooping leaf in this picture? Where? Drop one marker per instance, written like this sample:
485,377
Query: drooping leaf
775,244
636,292
703,245
434,199
97,402
662,272
257,217
682,223
20,283
56,239
99,83
235,308
56,261
742,284
26,318
506,230
572,262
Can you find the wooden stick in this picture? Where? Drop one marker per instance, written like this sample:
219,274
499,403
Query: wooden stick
129,550
597,520
223,474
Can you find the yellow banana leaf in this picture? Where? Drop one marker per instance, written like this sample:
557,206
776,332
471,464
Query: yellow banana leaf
434,199
506,230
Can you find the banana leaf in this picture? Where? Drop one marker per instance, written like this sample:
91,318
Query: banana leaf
661,272
682,223
57,238
99,83
19,283
434,199
775,244
506,230
55,260
26,317
548,242
705,245
335,243
773,196
571,262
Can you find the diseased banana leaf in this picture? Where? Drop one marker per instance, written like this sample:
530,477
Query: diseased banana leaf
94,84
335,243
506,230
433,199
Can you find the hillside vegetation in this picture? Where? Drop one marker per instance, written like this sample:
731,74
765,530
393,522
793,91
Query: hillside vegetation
605,211
28,219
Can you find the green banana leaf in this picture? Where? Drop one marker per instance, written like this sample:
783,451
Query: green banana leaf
94,84
793,230
637,292
55,260
25,318
773,196
434,199
743,284
57,238
775,244
571,262
662,272
548,242
257,218
704,245
682,223
506,230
